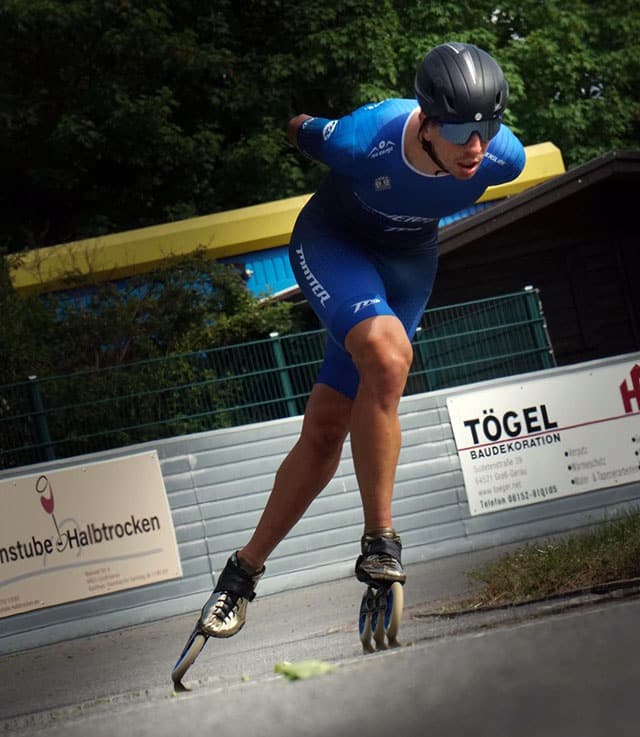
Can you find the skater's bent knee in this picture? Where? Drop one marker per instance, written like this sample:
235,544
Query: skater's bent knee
382,353
384,375
324,439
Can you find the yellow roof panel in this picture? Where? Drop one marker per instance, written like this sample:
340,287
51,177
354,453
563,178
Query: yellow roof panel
223,234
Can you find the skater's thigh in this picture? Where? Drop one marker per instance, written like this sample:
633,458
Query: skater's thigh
408,276
344,287
338,277
346,282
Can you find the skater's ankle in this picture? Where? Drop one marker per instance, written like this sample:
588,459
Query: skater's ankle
388,532
247,564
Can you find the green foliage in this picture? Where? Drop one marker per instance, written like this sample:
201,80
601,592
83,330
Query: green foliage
133,403
578,67
117,114
108,117
124,363
188,304
25,331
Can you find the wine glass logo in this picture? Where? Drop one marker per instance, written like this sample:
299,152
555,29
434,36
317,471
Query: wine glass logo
45,490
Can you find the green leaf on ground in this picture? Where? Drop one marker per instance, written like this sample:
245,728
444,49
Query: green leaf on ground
304,669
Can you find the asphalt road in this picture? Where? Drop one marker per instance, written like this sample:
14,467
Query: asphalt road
568,667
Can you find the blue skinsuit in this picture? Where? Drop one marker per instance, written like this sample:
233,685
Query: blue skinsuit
366,243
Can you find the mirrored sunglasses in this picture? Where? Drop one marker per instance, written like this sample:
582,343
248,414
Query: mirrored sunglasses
460,133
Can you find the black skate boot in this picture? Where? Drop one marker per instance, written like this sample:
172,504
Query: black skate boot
225,612
223,615
380,568
380,562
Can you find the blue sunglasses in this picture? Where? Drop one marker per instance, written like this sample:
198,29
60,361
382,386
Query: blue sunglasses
460,133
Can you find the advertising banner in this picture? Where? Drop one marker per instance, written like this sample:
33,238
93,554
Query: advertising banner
84,531
523,443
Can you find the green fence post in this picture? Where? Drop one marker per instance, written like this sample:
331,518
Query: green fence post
285,381
40,416
422,357
535,312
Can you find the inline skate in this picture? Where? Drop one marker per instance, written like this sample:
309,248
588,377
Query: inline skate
379,567
223,615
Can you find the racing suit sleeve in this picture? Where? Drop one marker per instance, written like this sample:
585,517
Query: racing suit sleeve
331,142
507,156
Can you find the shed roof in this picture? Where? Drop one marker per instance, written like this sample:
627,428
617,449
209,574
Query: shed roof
504,213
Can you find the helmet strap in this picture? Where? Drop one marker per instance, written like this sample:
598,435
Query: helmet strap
428,148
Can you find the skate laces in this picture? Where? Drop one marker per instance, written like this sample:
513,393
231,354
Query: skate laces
382,559
227,604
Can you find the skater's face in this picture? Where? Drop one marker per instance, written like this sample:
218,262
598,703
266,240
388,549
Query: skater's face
461,160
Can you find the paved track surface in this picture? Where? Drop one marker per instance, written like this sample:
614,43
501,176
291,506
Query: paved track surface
567,667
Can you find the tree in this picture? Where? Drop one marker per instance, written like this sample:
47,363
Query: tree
189,304
124,363
289,57
117,114
577,71
108,115
25,331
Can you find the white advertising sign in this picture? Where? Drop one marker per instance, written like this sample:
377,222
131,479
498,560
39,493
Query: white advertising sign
523,443
84,531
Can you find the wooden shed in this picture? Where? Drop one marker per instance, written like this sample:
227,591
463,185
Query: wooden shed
576,238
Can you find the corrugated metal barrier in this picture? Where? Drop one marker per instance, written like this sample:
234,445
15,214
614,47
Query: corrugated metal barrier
218,482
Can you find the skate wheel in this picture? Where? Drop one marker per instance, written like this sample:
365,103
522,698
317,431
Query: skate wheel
191,651
365,621
393,613
378,623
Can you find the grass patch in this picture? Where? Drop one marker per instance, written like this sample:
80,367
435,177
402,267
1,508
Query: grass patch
610,552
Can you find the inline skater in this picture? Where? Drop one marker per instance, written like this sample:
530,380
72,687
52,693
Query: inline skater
364,250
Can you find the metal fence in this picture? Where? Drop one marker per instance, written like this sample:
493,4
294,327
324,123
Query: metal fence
62,416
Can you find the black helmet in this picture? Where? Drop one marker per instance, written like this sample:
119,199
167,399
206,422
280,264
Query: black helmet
461,83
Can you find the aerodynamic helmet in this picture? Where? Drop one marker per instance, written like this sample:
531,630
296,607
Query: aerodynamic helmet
461,83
